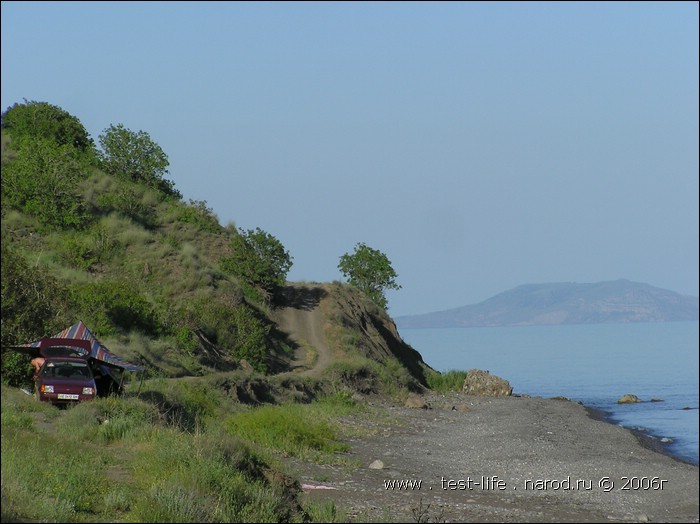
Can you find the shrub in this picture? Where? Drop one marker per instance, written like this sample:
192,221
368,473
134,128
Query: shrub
368,376
40,120
111,306
259,259
17,369
83,251
129,200
234,330
134,156
197,212
43,182
33,305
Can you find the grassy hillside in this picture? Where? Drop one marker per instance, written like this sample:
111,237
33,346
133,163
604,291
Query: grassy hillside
141,271
114,244
233,382
182,451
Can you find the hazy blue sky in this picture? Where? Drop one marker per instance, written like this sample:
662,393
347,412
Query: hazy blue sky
479,146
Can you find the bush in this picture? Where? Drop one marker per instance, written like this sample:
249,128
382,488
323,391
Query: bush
40,120
134,156
17,369
43,182
129,200
85,251
259,259
234,330
197,213
114,306
367,376
33,305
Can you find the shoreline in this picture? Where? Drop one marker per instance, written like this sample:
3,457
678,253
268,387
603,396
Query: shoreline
527,448
647,439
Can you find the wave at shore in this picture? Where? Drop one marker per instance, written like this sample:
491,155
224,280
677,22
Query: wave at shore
651,441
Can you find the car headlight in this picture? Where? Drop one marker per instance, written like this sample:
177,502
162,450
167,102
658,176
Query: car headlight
88,391
47,389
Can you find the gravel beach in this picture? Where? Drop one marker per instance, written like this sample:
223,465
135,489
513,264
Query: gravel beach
501,459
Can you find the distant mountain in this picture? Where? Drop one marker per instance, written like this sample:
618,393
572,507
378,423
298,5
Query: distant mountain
620,301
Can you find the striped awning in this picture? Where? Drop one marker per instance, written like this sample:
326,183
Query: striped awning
98,351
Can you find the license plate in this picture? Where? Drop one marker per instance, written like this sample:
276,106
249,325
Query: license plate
66,396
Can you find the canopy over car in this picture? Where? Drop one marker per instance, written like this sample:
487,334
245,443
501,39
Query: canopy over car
76,340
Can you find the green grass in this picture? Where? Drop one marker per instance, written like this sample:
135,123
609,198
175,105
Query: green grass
306,431
122,459
452,380
325,511
47,476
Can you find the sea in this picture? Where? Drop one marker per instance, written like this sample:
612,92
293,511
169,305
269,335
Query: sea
594,364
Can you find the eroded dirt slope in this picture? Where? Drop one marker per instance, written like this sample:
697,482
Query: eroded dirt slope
301,317
306,314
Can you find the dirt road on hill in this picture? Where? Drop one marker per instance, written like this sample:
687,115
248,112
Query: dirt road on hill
301,318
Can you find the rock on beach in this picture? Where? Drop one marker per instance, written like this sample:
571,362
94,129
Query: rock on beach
484,384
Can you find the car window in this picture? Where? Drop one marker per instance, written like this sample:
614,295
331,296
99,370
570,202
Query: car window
67,370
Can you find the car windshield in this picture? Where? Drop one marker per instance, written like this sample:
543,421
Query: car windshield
67,369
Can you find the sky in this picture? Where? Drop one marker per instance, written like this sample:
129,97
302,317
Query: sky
478,145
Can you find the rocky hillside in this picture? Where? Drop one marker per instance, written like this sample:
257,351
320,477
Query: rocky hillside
620,301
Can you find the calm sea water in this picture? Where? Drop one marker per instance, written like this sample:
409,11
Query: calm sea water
595,364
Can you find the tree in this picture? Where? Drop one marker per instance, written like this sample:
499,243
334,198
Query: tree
259,258
43,181
42,120
136,157
370,271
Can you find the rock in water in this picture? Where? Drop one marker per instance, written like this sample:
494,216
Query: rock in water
484,384
628,399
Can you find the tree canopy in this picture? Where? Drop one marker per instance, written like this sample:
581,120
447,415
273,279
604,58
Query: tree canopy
43,181
43,120
135,156
370,271
259,258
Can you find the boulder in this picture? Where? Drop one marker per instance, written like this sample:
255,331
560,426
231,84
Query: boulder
416,401
484,384
629,399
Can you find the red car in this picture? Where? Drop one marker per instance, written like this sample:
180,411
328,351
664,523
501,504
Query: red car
65,380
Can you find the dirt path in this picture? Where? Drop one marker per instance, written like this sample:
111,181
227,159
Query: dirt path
302,319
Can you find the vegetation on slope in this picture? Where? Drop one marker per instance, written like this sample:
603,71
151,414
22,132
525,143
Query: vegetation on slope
101,235
195,455
92,236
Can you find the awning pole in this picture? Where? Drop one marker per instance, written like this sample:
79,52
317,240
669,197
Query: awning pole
143,371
